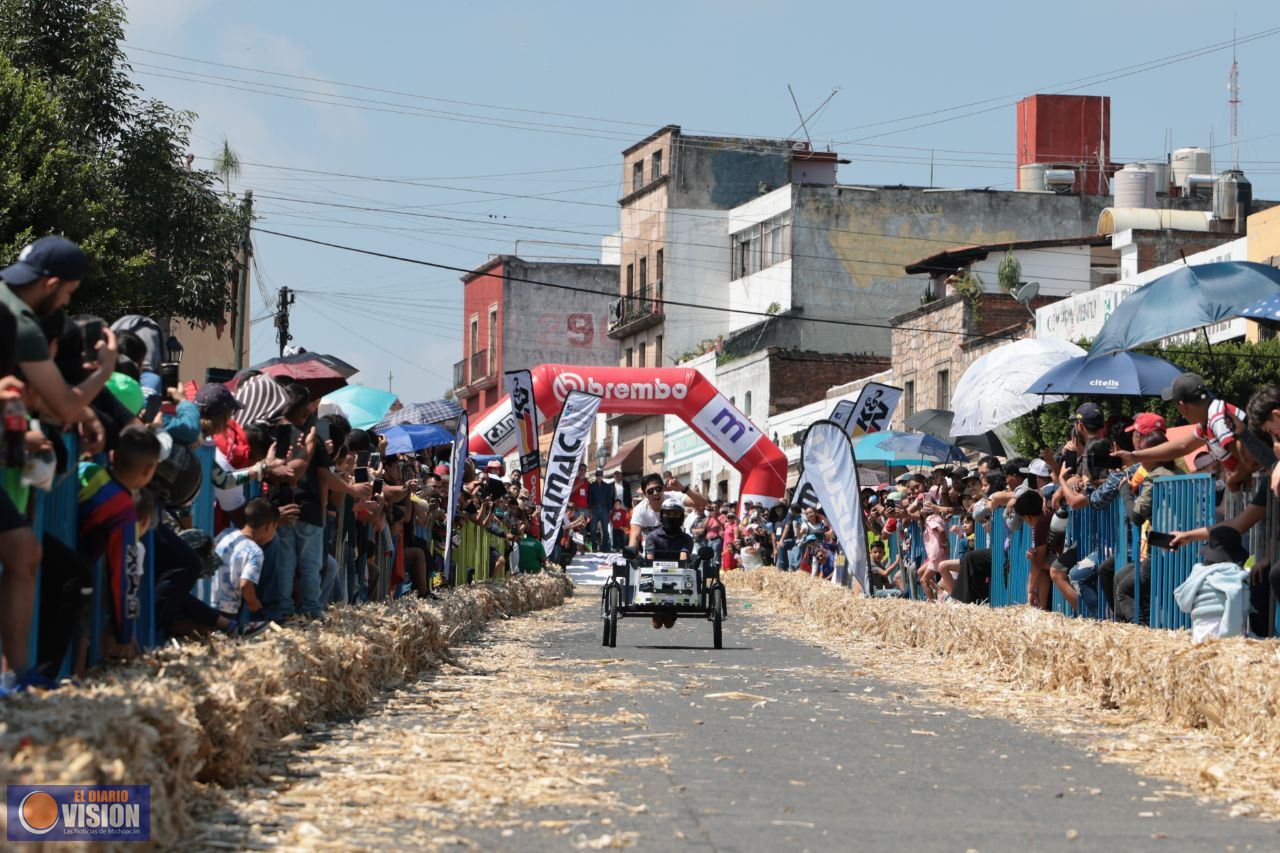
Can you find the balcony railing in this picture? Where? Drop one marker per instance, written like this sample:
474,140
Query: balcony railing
479,365
459,373
633,310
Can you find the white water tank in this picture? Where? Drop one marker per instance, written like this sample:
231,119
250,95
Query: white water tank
1031,177
1135,186
1189,161
1162,173
1060,181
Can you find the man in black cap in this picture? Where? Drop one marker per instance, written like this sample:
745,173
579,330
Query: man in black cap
1087,423
1216,422
42,281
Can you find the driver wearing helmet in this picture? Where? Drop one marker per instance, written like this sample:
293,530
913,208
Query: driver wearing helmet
668,541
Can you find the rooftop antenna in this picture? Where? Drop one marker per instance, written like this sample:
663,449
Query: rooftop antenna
803,122
1233,89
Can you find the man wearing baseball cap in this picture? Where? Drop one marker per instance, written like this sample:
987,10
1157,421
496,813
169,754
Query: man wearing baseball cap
1216,422
41,281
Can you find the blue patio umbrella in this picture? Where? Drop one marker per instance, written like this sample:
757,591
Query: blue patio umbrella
1190,297
1119,374
363,406
904,448
410,438
1265,311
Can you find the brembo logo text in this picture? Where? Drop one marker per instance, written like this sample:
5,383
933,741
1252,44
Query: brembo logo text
656,390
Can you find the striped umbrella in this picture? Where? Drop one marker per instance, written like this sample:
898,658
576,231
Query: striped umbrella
263,400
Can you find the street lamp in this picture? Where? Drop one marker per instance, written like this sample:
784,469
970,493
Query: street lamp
174,346
602,455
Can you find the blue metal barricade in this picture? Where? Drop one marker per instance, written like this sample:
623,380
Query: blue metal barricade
202,506
999,561
1179,503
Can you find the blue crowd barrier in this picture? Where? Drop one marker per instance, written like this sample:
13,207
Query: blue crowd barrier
1183,502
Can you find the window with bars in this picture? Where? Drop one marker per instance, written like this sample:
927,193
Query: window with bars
655,170
637,175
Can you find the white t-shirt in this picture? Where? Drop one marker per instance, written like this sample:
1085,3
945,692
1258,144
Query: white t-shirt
647,517
230,499
241,561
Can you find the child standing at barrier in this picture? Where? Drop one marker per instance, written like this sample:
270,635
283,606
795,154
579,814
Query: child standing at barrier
108,527
240,551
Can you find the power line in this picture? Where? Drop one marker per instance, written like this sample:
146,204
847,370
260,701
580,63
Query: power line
655,301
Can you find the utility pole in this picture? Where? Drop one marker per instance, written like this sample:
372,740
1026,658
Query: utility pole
284,300
388,381
243,258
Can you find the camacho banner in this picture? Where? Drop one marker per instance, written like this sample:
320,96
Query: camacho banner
457,462
567,449
525,414
828,464
871,412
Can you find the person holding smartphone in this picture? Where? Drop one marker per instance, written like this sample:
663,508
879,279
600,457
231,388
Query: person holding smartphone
41,282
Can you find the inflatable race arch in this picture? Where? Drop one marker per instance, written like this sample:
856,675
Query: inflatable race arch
683,392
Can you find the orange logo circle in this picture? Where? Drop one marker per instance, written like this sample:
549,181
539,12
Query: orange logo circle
38,812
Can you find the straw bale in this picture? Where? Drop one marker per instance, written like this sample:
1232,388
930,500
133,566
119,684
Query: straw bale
1204,714
201,712
1224,683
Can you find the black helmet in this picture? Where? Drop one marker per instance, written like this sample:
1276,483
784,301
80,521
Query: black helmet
671,515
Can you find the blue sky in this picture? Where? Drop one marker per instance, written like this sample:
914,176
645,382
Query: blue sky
504,121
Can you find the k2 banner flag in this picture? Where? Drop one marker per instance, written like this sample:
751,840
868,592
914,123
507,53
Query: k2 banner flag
567,449
525,413
874,409
828,464
457,462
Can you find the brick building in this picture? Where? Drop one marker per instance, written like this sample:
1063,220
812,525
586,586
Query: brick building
934,344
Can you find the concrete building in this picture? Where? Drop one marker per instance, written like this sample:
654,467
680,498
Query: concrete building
510,323
678,190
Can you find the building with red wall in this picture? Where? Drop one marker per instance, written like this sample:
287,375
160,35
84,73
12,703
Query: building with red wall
517,314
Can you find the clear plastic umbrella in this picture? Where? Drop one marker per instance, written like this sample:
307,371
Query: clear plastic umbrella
993,391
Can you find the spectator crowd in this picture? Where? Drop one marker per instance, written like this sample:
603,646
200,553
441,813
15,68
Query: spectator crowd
309,513
312,513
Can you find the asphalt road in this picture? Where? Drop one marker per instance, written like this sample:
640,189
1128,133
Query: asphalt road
797,753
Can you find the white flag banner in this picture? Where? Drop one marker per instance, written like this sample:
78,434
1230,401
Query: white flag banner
566,452
457,462
874,410
829,466
843,412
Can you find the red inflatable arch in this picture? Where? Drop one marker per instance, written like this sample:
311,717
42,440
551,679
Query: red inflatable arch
683,392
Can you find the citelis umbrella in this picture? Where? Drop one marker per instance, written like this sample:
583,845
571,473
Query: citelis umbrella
1190,297
1121,374
993,390
363,406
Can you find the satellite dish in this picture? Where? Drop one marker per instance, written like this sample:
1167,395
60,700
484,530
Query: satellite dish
1029,290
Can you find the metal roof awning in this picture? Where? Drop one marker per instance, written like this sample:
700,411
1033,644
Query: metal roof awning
630,457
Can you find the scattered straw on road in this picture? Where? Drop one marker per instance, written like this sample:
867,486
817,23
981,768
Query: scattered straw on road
1206,716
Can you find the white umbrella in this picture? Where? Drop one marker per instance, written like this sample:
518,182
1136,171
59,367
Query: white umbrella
992,391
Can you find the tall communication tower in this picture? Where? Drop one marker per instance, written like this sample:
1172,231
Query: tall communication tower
1233,89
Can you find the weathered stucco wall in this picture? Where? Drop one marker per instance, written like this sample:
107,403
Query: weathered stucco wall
850,244
544,325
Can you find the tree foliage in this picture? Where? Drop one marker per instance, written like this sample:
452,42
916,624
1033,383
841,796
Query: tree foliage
84,153
1233,370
